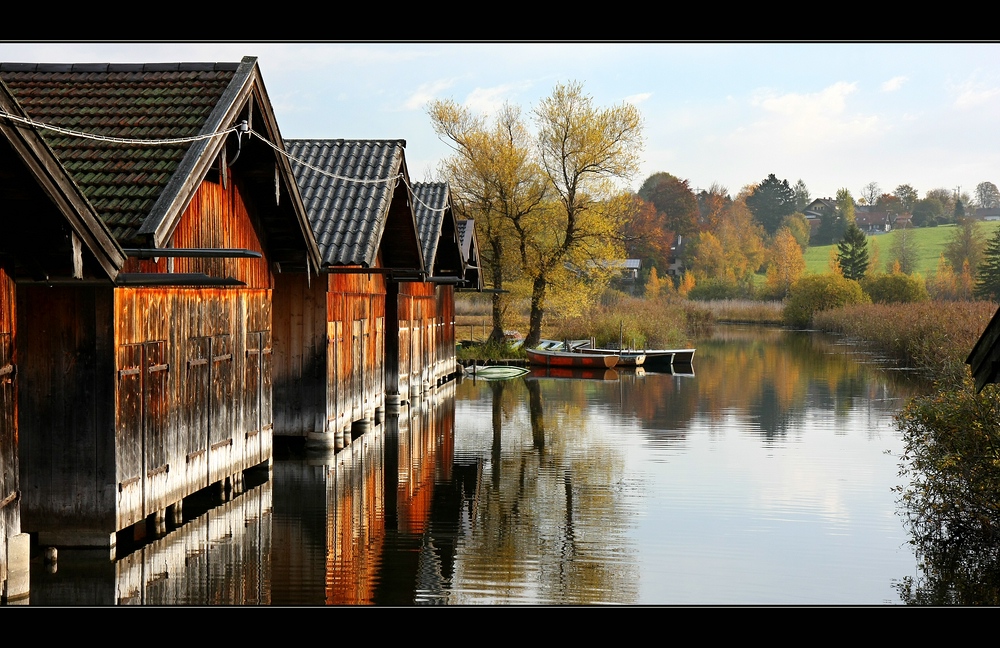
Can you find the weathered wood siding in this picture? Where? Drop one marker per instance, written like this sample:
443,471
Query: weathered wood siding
142,396
299,332
66,411
355,378
193,388
427,335
10,506
194,382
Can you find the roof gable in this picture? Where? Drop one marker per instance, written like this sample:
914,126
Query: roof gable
147,101
356,195
437,228
140,189
48,222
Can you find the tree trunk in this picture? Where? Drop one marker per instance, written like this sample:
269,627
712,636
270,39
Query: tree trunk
537,312
496,272
497,334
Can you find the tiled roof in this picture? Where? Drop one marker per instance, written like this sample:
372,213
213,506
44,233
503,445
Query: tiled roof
430,200
348,188
122,182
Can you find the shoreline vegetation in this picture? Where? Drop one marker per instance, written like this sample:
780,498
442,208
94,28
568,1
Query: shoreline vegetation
949,494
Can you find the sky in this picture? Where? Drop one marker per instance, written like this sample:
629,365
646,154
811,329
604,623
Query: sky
835,115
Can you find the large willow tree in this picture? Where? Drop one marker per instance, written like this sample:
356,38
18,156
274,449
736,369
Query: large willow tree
545,204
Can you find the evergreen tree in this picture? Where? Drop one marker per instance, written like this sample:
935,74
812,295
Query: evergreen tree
852,253
988,283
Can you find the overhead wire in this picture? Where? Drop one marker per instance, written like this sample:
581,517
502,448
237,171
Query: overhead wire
195,138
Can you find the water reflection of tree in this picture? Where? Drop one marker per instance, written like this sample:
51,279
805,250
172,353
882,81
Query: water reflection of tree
542,532
769,376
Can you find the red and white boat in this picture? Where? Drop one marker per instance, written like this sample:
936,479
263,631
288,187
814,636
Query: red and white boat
550,358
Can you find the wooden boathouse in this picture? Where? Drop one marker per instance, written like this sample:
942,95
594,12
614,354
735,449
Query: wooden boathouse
142,382
339,336
48,231
427,308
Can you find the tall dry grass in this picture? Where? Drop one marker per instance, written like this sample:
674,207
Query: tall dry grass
745,311
640,323
935,337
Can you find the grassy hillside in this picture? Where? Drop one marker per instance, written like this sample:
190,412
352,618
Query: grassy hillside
930,242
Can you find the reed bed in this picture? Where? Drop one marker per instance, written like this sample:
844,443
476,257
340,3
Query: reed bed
935,337
639,323
745,311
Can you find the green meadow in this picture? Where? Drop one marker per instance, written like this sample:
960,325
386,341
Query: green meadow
930,243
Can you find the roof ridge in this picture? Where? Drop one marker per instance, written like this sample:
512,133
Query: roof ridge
119,67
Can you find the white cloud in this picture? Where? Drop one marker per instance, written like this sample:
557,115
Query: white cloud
637,99
802,121
970,94
489,100
427,92
893,84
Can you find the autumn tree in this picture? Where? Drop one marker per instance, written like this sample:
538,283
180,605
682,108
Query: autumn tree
770,202
674,200
907,197
852,253
987,195
732,253
798,225
965,246
870,193
903,250
786,263
712,202
845,205
645,236
583,149
495,180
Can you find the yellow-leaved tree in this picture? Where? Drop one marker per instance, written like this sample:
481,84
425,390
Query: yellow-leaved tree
545,204
786,264
583,150
495,180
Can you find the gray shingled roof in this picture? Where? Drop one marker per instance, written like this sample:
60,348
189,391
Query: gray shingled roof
430,202
355,194
153,101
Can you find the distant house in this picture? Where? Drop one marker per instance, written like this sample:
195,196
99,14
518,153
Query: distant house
676,267
988,213
144,314
872,220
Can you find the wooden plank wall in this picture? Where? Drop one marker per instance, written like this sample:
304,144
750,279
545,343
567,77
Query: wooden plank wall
66,419
10,506
299,333
355,379
143,396
193,391
427,314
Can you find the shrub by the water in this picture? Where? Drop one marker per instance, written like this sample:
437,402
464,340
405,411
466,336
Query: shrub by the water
816,293
895,287
935,337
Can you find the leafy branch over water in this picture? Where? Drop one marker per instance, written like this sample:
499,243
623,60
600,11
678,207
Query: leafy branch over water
951,456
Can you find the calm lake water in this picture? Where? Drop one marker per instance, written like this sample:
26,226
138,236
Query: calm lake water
761,475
